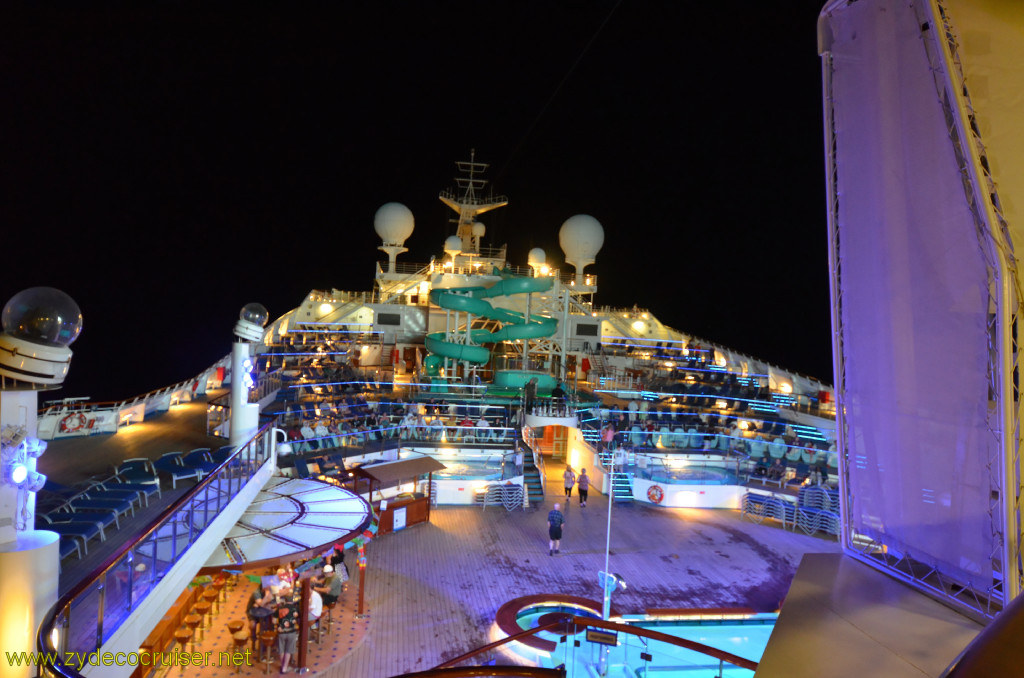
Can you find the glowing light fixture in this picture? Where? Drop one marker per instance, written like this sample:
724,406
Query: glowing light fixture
639,325
15,473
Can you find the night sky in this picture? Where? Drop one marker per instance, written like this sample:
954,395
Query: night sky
166,165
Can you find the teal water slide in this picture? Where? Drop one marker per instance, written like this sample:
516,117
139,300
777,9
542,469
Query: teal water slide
472,300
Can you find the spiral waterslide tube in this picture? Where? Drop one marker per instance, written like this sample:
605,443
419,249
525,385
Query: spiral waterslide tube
472,300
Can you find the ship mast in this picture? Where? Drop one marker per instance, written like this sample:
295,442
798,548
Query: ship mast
470,201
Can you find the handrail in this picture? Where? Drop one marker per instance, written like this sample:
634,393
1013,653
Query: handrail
713,652
91,405
487,671
44,638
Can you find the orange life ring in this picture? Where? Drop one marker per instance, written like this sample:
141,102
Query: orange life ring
73,422
655,493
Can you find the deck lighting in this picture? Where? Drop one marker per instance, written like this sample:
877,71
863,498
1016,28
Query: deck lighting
15,473
35,447
639,326
251,320
35,481
39,324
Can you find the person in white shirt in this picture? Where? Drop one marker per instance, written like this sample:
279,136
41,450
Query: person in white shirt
322,433
316,605
483,425
308,433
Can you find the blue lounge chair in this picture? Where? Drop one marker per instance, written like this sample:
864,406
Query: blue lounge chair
138,471
173,465
80,530
200,459
146,489
120,506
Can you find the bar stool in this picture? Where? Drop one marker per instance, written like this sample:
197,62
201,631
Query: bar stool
212,596
220,586
239,640
267,639
328,607
193,621
235,626
184,637
202,608
315,630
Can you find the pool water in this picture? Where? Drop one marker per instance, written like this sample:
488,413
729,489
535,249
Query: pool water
745,638
704,475
468,471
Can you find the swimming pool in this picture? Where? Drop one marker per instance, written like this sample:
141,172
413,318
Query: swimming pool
636,657
695,475
468,470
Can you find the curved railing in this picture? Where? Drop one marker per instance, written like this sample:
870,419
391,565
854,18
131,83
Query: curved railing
449,668
98,605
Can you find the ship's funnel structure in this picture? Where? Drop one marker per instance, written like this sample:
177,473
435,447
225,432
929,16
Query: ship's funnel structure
581,238
394,223
925,159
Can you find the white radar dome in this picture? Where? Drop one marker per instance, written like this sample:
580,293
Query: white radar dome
43,315
536,256
394,223
581,238
453,244
479,229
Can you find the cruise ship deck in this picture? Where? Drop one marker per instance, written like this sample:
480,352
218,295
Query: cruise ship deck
432,591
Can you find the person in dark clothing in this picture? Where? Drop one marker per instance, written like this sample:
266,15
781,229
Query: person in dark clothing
555,522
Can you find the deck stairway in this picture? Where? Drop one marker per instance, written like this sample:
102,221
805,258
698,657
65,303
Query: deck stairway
622,481
531,479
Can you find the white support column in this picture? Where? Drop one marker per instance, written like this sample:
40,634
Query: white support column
245,416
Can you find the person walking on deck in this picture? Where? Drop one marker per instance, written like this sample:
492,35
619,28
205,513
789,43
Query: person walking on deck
583,485
555,522
570,480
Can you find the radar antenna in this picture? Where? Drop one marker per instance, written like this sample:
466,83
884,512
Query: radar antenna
470,201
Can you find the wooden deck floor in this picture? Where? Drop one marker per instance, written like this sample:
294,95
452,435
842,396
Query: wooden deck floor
433,590
69,461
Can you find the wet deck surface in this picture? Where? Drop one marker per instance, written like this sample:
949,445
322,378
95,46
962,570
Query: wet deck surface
70,461
433,590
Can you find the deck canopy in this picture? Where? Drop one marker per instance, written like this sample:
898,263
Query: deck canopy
399,470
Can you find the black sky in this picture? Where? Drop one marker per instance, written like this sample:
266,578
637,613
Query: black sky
167,164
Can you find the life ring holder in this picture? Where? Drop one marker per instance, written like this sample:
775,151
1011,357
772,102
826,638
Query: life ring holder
72,423
655,494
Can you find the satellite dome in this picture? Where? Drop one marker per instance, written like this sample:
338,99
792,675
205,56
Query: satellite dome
479,229
254,313
581,237
453,243
536,256
394,223
43,315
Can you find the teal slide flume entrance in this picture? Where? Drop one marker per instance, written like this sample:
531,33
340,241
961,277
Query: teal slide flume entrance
472,300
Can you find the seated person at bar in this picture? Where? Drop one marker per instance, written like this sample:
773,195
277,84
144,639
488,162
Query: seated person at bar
777,470
330,589
287,618
259,599
316,605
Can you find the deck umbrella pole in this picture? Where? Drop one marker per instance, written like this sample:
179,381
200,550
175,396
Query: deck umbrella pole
360,614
